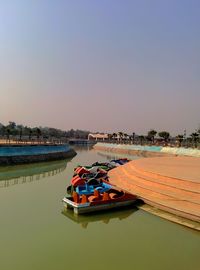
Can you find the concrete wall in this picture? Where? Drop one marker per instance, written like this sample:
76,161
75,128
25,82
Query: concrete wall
31,150
181,151
148,150
15,154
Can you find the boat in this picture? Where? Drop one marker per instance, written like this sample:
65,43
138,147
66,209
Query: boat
89,189
100,166
91,179
113,198
120,161
95,169
104,165
88,176
78,184
79,181
93,175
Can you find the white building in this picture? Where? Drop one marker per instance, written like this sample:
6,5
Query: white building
97,136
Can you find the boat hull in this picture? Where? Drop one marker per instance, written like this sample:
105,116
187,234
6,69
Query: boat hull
90,207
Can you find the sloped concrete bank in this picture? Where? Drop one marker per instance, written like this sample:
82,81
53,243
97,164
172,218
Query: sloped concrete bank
21,154
135,150
170,184
147,151
169,216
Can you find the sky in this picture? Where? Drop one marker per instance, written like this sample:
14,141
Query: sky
101,65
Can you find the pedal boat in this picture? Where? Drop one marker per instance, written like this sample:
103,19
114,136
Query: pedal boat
89,189
98,202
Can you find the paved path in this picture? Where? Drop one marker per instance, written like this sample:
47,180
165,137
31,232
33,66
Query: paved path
167,183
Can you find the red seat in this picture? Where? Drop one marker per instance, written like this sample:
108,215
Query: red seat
75,197
84,198
106,196
96,197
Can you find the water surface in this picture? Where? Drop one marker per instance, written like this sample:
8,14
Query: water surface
37,234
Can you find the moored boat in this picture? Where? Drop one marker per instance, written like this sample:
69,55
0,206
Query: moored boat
90,190
113,198
82,186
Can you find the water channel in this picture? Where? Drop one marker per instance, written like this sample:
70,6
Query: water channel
37,234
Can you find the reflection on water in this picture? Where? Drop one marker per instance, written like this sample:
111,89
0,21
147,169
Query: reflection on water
82,148
36,236
20,174
103,217
112,155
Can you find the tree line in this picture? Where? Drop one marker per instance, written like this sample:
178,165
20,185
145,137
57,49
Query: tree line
21,132
162,137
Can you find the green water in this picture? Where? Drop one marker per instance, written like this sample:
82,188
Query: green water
35,233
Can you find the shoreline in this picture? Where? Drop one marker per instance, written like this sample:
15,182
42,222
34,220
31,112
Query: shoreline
168,184
171,185
147,151
170,217
132,152
23,154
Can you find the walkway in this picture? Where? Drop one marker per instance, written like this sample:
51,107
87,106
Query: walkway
167,183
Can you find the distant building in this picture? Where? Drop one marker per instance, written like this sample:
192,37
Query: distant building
97,136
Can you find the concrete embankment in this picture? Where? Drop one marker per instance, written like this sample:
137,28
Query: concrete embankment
147,151
171,184
19,154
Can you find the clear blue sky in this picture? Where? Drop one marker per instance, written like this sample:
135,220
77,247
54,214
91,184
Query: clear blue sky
101,65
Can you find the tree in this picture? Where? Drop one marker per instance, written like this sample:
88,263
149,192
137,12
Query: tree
20,134
30,134
120,135
141,138
195,137
114,135
11,125
151,134
12,128
8,133
2,129
133,137
39,133
164,134
47,132
179,139
125,136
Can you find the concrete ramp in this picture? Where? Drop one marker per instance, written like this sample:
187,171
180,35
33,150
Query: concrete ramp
171,184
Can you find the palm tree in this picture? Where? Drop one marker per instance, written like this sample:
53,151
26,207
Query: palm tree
125,136
20,134
141,138
30,134
3,130
8,134
195,137
120,135
114,136
39,133
133,137
179,139
151,134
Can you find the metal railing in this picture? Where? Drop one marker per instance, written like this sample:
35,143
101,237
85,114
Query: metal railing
169,143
